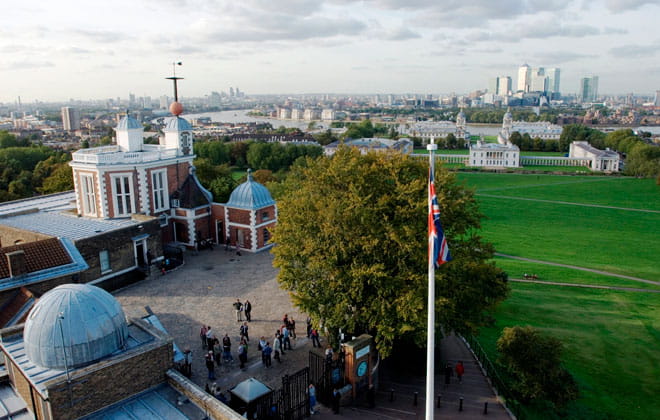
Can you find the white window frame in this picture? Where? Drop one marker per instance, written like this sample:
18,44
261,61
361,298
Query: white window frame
105,268
88,194
124,194
159,188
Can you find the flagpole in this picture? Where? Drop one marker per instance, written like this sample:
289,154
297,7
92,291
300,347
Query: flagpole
430,328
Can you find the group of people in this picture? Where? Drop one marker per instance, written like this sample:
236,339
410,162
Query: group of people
219,351
243,308
449,372
281,342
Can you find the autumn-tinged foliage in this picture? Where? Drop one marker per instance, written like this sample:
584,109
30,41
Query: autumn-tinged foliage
352,244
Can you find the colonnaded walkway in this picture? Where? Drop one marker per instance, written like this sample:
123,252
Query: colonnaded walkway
202,292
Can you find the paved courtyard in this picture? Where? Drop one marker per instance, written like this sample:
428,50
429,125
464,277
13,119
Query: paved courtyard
202,293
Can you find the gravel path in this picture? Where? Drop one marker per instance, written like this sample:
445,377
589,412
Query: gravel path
587,286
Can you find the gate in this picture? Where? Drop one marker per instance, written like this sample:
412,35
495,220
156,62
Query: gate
287,403
326,376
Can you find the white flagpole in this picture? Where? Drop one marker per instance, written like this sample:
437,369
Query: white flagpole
430,328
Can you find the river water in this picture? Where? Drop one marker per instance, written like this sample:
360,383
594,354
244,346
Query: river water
240,116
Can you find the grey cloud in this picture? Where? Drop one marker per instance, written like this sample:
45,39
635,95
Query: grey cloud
101,36
27,65
608,30
625,5
634,51
534,30
559,57
402,34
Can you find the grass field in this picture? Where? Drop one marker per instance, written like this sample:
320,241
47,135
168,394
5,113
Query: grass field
611,340
611,337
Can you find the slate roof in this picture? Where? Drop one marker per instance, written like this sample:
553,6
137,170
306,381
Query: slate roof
39,255
128,123
191,194
250,195
177,124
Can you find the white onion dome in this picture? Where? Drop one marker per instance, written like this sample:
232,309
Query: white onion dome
128,123
81,322
250,195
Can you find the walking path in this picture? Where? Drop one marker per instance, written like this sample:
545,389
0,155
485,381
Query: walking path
574,267
569,203
588,286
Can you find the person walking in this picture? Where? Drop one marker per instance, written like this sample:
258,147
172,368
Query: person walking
243,331
277,348
315,338
242,355
226,349
460,370
202,335
286,340
311,390
238,307
267,352
278,337
210,366
217,350
247,308
209,338
449,372
309,327
262,343
292,328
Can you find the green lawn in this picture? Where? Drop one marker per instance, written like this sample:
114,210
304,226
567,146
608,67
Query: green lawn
548,273
237,174
423,151
611,344
611,337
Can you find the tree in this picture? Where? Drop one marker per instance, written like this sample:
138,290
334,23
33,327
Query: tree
352,244
534,363
60,179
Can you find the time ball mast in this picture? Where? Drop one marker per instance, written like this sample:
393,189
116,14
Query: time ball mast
175,108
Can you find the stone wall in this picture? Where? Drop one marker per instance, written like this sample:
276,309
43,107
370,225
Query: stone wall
10,235
215,409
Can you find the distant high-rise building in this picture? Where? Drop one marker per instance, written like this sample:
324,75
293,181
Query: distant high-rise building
656,101
163,102
553,83
70,118
492,85
538,80
524,73
588,89
503,85
231,92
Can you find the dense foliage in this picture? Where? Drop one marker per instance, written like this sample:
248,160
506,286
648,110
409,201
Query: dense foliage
352,246
533,360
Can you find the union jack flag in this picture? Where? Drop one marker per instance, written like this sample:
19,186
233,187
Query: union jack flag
438,249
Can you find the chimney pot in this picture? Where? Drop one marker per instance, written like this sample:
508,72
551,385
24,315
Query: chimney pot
16,262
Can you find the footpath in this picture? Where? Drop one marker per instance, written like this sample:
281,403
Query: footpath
474,390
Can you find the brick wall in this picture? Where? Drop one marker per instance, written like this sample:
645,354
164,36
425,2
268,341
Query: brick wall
110,381
270,211
239,216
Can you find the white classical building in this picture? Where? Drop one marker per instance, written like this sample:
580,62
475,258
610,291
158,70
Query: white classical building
429,130
494,155
600,160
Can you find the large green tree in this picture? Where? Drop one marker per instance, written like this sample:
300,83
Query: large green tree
352,247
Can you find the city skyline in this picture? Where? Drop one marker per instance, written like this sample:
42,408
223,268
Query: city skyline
59,50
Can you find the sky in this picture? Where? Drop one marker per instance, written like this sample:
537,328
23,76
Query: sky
56,50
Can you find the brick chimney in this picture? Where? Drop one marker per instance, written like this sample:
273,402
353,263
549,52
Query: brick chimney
16,263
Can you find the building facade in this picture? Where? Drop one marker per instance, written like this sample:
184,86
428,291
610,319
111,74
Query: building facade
70,118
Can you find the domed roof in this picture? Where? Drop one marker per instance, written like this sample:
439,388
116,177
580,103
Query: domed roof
177,124
128,123
90,319
507,114
250,195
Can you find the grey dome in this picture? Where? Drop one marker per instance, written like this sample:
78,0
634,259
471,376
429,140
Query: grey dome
92,322
250,195
128,123
177,124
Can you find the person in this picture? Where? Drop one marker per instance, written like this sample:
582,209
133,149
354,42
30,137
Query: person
226,349
150,257
277,347
209,365
328,355
266,353
278,337
244,331
238,307
309,327
209,338
247,308
262,343
336,398
217,350
448,374
311,390
202,335
292,328
286,341
315,338
285,320
242,355
187,363
460,370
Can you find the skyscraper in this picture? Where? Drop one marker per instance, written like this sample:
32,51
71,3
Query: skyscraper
538,80
503,85
588,89
70,118
553,83
524,73
656,101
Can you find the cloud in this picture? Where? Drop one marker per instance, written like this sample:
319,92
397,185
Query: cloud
100,35
608,30
559,57
27,65
534,30
401,34
634,51
626,5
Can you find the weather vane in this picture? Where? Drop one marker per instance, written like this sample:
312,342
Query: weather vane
174,79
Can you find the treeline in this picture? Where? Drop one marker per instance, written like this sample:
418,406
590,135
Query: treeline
473,115
215,161
641,159
526,143
29,170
